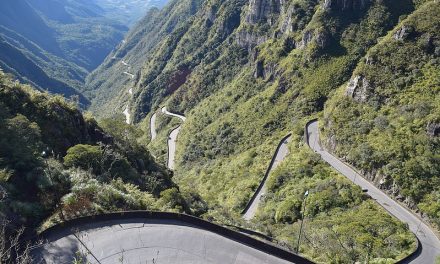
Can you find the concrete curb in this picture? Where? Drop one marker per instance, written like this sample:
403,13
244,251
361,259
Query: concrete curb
169,133
418,249
266,175
194,221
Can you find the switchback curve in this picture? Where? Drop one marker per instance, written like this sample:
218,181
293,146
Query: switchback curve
429,244
172,139
140,236
279,155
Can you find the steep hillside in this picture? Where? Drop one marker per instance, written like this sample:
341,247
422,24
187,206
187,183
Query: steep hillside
386,120
108,85
246,73
67,39
57,164
128,12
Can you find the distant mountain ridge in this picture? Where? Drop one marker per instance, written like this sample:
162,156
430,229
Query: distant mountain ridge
54,44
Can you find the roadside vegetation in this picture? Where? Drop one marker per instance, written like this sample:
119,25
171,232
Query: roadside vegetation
159,146
56,164
390,127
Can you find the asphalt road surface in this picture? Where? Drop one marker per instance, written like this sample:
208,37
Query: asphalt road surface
429,241
280,155
149,241
129,74
153,131
172,139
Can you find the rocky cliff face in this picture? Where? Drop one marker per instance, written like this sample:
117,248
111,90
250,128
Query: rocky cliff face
263,11
359,88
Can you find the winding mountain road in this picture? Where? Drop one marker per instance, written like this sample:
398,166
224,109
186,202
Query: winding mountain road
140,240
280,154
153,131
127,111
430,244
172,139
129,74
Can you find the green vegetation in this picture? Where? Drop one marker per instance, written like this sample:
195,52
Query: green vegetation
54,44
342,225
246,74
159,146
390,133
85,169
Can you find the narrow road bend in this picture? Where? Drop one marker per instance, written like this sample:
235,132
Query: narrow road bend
172,139
280,154
153,131
141,240
429,242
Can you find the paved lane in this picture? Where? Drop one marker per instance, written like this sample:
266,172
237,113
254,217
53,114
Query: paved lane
279,156
172,139
142,241
153,131
429,241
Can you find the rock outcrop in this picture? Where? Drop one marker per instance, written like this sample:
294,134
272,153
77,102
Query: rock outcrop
403,33
359,88
249,39
265,70
433,129
319,37
262,11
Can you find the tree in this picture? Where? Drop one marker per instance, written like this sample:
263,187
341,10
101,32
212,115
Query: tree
86,157
19,142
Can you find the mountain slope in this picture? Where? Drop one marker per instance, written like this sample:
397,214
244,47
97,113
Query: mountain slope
67,39
129,12
85,169
246,73
108,84
385,121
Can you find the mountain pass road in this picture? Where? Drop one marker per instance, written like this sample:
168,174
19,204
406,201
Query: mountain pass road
430,244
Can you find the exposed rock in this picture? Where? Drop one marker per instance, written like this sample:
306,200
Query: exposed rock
211,14
259,69
286,24
359,88
270,71
260,10
369,60
437,51
289,44
345,5
433,129
266,71
331,143
307,38
249,39
317,36
403,33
